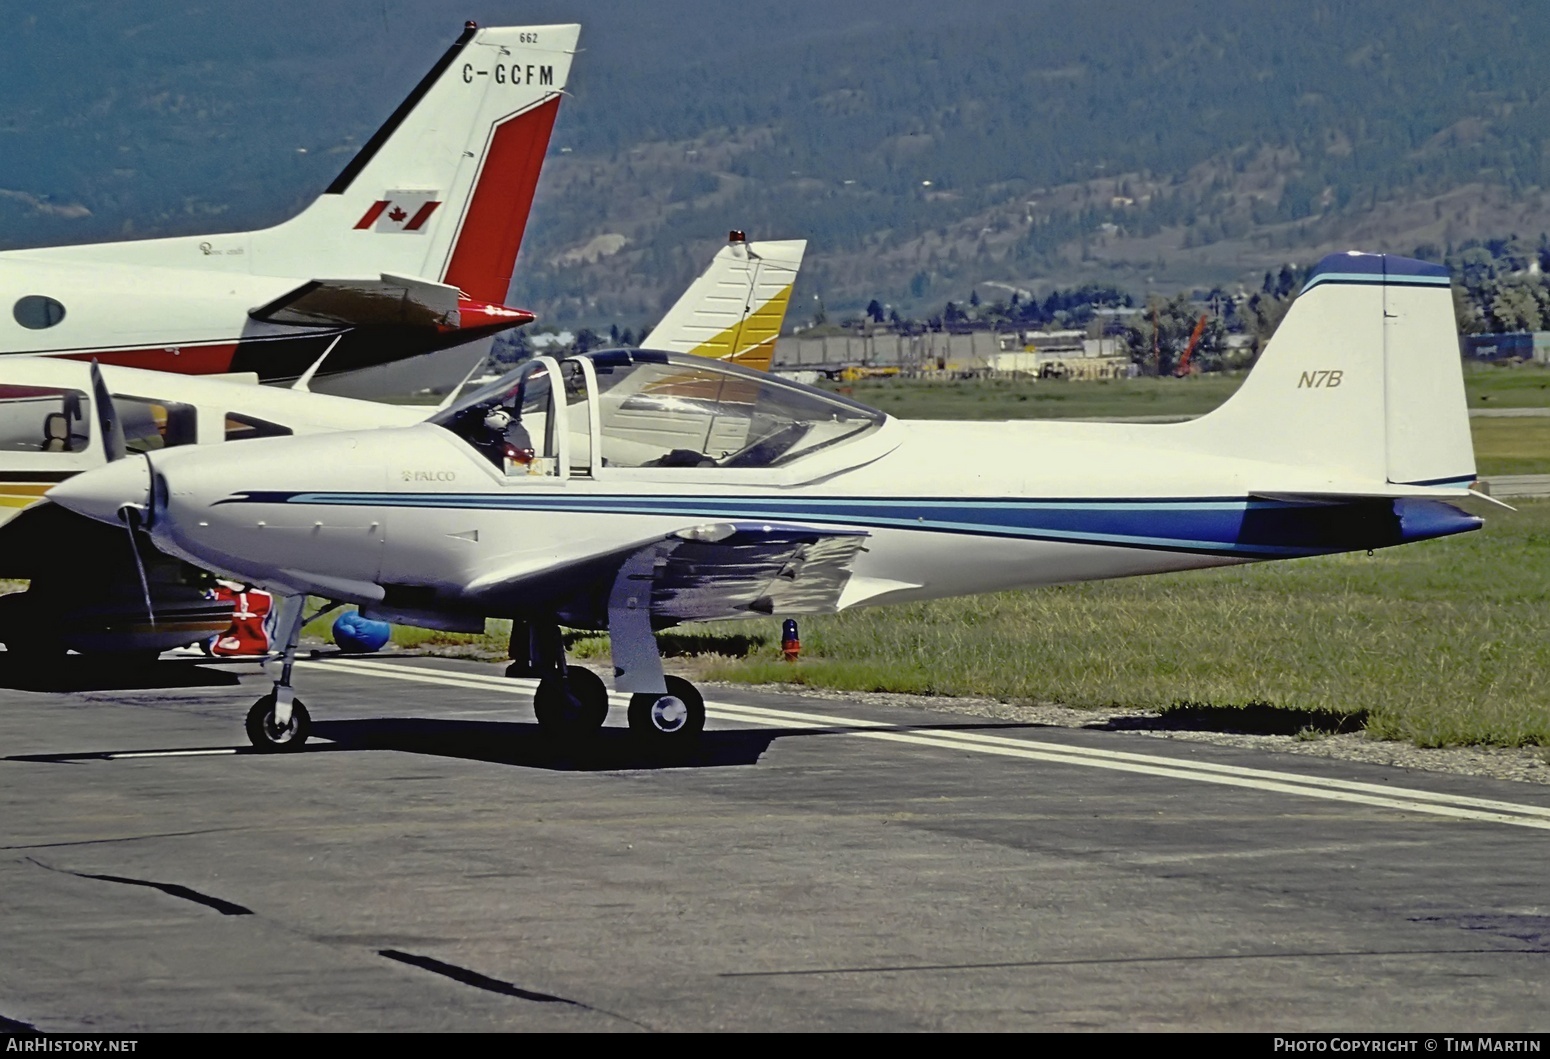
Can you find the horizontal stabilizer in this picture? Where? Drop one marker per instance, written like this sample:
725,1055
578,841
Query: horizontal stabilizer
1399,492
389,300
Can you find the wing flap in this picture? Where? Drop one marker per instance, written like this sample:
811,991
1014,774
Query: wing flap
704,572
760,569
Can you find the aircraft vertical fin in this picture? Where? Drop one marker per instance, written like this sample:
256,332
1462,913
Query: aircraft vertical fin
442,190
735,309
1362,381
347,176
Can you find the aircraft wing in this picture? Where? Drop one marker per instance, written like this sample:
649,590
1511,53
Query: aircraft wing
405,301
721,570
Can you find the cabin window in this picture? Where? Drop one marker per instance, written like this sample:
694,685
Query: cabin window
36,312
241,428
150,425
43,419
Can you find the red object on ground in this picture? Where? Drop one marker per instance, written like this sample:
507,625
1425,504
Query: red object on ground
247,635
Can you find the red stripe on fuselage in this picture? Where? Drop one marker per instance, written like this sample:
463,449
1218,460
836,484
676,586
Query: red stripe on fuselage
372,213
183,360
486,250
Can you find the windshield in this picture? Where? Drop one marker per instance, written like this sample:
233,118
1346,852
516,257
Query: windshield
677,410
655,410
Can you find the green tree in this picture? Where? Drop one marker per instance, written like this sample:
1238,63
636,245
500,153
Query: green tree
1515,308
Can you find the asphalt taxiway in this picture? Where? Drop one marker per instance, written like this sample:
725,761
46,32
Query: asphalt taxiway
430,862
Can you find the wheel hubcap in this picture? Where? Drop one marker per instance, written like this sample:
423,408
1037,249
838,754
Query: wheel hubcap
669,713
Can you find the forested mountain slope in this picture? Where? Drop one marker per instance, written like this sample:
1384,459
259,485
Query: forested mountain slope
923,148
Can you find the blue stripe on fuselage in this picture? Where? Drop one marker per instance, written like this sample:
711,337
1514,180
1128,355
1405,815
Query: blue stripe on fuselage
1250,528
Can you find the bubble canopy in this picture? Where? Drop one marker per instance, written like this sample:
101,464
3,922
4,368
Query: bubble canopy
656,409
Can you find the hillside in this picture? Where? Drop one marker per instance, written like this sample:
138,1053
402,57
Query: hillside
924,149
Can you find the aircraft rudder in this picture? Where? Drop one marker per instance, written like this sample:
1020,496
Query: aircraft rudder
1428,438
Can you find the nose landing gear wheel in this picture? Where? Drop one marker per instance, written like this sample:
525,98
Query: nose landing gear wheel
268,736
572,707
674,719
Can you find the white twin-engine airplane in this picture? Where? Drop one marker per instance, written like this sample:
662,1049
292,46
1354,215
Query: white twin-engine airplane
409,251
631,490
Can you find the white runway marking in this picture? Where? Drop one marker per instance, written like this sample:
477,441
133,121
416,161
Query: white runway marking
126,754
1459,807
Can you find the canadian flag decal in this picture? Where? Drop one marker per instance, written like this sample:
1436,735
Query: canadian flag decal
400,211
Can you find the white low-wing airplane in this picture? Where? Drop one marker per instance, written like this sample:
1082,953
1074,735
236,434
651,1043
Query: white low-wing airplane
632,490
410,250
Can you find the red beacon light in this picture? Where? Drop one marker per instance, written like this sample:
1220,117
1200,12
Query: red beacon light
790,643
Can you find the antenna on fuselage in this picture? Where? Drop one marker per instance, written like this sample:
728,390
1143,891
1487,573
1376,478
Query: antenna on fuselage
306,376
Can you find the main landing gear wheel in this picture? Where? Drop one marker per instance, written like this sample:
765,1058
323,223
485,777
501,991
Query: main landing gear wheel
268,736
573,705
674,719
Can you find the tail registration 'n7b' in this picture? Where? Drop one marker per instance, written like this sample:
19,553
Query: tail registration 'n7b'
1315,379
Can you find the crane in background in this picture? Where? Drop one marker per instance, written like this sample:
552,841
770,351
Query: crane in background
1182,368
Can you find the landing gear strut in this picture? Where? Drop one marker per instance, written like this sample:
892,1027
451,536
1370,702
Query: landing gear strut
572,702
279,721
665,712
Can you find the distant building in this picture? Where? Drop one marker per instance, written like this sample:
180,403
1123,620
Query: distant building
1514,345
1037,353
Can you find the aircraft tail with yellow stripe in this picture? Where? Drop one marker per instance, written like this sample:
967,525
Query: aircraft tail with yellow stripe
734,310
